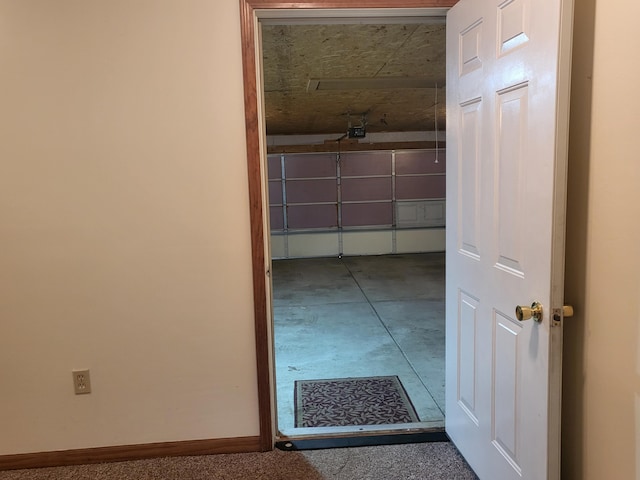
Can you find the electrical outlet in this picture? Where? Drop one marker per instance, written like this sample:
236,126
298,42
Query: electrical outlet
81,381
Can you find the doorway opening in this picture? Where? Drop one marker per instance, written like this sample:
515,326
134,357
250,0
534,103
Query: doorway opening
355,165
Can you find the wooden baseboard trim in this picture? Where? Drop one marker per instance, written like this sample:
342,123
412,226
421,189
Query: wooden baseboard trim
123,453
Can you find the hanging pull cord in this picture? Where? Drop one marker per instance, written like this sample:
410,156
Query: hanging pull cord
436,122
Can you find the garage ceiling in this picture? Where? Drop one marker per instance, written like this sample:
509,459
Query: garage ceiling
319,79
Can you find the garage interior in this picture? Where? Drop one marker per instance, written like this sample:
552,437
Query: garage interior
356,157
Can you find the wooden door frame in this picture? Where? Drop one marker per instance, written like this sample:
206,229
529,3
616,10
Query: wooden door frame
260,264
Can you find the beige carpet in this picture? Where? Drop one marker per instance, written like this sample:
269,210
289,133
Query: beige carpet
424,461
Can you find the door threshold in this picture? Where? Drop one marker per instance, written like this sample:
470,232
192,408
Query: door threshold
363,439
350,430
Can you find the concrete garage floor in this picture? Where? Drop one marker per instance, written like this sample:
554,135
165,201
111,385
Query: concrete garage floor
356,317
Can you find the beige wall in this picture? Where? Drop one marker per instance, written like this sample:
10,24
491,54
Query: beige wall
124,232
124,241
601,383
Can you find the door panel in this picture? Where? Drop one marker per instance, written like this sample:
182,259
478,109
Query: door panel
468,187
467,380
507,110
511,137
513,25
507,387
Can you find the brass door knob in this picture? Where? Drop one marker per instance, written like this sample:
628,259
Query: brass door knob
525,313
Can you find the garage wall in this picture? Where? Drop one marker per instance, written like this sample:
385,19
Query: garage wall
117,250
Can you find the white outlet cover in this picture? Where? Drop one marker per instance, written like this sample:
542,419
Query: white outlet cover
81,381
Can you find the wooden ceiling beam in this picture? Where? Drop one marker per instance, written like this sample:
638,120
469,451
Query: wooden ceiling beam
331,147
260,4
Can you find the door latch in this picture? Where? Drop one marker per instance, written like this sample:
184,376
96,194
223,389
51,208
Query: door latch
559,313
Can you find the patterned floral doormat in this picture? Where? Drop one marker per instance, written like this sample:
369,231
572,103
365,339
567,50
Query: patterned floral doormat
352,401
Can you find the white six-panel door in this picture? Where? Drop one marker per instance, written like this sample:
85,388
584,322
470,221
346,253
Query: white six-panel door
507,126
